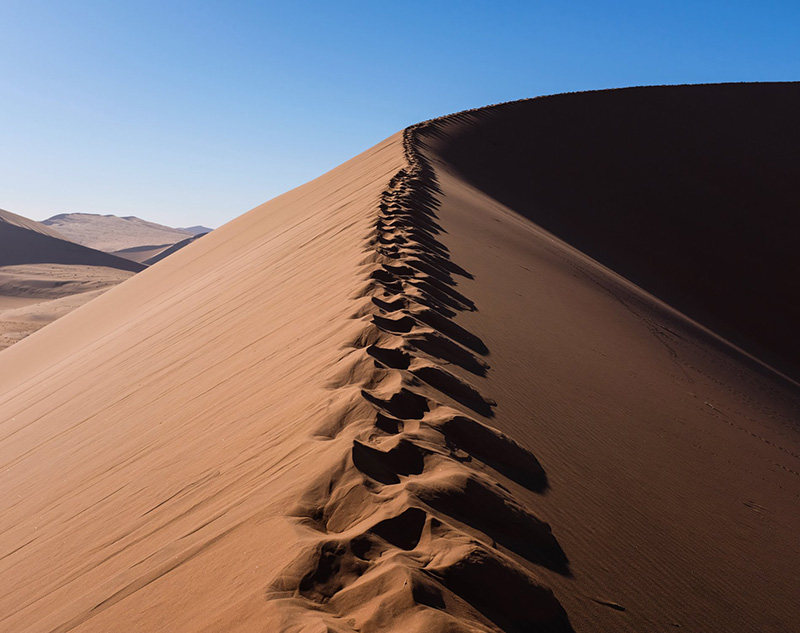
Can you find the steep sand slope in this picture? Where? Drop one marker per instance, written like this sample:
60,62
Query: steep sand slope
288,425
157,257
688,191
112,233
247,436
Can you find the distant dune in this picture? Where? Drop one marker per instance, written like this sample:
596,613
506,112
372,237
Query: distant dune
111,233
166,252
151,254
423,393
24,241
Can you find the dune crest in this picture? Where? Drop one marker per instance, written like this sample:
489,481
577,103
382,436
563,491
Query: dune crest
406,528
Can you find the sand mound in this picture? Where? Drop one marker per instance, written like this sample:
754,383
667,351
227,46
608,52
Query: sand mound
111,233
385,401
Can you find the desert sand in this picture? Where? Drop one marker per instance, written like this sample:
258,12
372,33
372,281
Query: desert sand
396,399
33,295
44,276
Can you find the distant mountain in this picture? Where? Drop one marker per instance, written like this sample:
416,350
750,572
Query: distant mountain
112,233
196,230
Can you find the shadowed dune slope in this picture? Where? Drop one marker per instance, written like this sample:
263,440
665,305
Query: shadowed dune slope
688,191
387,402
6,217
24,244
157,257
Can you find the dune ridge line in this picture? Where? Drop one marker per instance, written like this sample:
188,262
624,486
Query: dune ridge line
404,533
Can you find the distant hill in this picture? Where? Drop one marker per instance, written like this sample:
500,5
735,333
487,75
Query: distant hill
111,233
196,230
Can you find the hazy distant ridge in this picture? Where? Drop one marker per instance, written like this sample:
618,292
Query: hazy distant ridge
112,233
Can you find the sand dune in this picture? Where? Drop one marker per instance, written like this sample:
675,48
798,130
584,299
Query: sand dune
141,253
389,401
27,242
12,219
111,233
151,254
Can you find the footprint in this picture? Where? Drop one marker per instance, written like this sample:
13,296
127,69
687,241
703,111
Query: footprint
403,325
456,388
406,458
445,349
393,358
504,592
487,507
497,450
389,424
452,330
404,530
404,404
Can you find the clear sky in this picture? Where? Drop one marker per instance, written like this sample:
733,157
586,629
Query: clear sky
192,112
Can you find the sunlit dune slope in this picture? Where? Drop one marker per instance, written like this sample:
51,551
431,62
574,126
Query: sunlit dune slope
389,401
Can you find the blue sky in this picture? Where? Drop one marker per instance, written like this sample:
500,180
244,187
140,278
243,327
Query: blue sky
193,112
